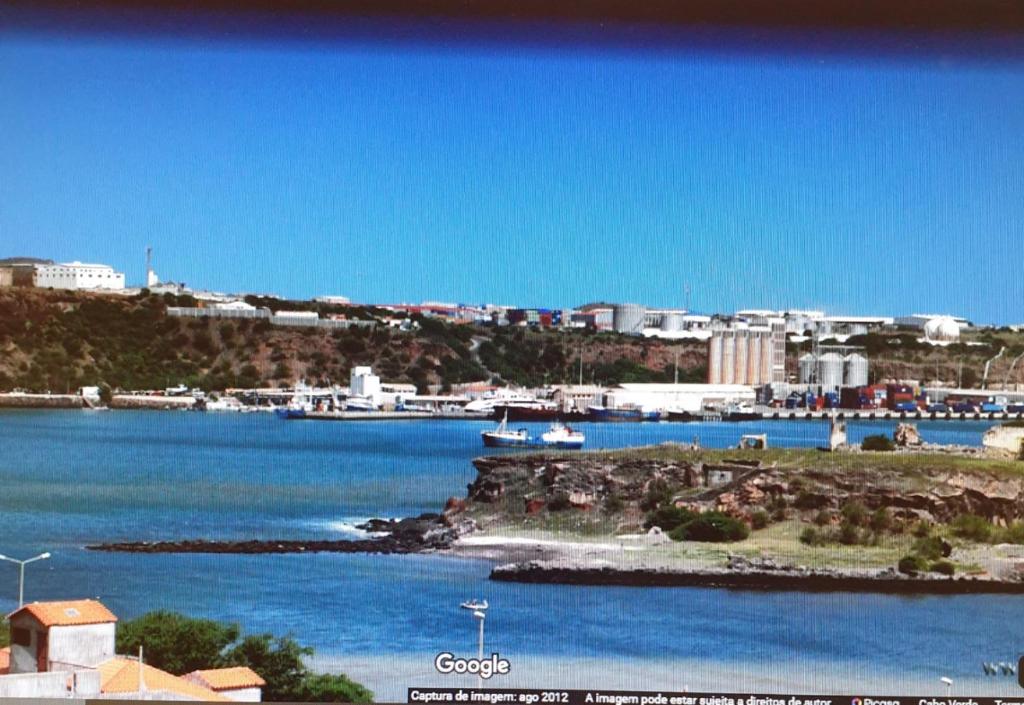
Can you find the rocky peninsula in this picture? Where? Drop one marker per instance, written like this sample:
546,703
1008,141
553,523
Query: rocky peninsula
910,521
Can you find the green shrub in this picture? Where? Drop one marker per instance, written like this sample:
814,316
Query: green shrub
944,567
658,493
759,519
849,534
668,518
823,518
878,443
930,548
855,513
910,565
810,537
922,529
711,527
880,520
1014,533
972,527
614,504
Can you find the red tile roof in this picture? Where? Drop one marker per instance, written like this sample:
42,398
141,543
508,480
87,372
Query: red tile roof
67,613
227,678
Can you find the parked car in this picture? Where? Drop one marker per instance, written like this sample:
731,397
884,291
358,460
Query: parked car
938,408
905,406
965,407
992,408
1015,408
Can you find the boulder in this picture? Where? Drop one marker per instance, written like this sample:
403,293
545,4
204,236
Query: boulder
906,435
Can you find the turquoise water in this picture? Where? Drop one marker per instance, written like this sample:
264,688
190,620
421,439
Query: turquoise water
68,478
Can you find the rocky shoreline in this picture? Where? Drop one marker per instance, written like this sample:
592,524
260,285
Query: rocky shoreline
751,576
413,535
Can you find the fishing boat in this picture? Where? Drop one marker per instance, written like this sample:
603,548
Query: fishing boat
627,413
299,405
557,436
561,436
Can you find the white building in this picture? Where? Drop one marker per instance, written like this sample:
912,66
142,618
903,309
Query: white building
78,275
363,383
49,636
677,397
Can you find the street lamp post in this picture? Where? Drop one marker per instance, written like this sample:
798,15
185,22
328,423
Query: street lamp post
21,573
479,610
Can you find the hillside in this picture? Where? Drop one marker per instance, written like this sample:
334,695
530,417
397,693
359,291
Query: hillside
60,340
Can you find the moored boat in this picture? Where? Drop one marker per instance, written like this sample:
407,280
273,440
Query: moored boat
631,413
557,436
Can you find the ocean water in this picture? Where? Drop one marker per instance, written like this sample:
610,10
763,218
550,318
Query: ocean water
68,478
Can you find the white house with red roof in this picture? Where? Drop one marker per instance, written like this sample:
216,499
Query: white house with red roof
67,649
55,636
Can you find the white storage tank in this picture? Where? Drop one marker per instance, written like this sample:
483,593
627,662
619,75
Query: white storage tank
629,318
830,371
672,322
806,365
856,370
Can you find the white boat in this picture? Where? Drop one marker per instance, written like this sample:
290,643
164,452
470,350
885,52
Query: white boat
224,404
561,436
500,397
300,404
558,436
503,437
360,404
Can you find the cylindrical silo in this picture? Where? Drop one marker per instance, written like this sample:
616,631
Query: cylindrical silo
806,364
856,370
671,322
830,371
628,318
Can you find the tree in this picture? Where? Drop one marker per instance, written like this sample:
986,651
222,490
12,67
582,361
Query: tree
176,643
180,645
278,660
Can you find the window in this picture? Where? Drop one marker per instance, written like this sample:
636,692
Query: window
21,636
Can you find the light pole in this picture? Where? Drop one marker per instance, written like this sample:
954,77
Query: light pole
479,610
949,685
21,573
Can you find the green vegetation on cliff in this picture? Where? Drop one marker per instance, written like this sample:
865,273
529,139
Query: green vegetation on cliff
60,340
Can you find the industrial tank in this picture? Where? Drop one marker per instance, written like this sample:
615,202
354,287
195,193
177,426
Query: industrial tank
856,370
830,371
628,318
672,322
806,364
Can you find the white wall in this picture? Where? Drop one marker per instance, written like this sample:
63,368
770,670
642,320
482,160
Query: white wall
244,695
82,645
49,685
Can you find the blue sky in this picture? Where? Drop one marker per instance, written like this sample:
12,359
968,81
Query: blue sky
535,173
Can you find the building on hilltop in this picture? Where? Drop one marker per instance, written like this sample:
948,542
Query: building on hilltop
78,276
